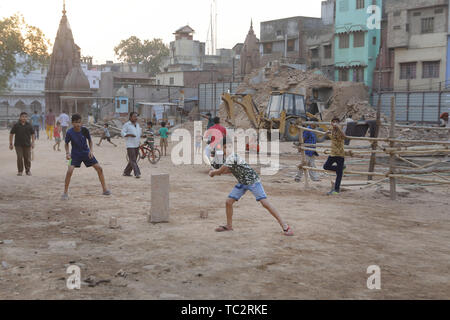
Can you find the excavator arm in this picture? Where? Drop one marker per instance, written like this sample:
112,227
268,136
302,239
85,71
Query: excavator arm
246,102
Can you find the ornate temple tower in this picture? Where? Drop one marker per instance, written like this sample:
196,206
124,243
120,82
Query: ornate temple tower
65,76
250,56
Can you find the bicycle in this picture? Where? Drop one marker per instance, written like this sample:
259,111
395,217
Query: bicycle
145,151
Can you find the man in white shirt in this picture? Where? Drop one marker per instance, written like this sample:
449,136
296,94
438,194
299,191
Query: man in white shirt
132,132
64,120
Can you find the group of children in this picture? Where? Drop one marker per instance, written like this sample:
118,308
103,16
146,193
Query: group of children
248,179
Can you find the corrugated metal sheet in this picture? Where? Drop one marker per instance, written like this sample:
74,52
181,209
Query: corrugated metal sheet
210,95
415,107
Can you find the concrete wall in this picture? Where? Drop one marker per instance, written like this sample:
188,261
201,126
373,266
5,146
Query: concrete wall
328,12
164,78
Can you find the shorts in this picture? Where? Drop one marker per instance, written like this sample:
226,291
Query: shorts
198,144
240,189
107,139
76,162
57,140
164,142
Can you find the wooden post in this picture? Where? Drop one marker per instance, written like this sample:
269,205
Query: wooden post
393,189
373,157
303,157
160,198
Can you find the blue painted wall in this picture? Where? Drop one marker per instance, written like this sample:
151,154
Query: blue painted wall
349,20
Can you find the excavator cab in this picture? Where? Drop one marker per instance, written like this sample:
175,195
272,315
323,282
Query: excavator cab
292,104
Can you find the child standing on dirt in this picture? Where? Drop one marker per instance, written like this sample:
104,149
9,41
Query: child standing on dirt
106,136
79,136
337,155
163,132
150,141
310,139
57,136
248,181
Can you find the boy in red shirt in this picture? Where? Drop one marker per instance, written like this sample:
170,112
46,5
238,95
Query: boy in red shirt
57,136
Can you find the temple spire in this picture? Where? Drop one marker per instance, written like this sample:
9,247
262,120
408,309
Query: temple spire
64,7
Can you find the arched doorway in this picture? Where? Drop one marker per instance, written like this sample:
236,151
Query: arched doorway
36,106
18,108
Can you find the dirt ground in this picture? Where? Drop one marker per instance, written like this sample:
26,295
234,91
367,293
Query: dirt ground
336,239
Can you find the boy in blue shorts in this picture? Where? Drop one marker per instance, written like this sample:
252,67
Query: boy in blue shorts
248,181
79,136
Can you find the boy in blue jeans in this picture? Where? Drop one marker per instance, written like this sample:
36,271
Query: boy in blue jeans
248,181
79,136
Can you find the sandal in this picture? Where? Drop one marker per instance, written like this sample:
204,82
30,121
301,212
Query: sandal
223,229
288,232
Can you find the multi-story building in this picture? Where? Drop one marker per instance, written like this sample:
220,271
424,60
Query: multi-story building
417,35
357,40
25,92
320,42
285,39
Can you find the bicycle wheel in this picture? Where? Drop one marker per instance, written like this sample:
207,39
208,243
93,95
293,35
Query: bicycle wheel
154,156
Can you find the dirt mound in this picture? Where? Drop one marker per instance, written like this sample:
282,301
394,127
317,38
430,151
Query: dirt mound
346,98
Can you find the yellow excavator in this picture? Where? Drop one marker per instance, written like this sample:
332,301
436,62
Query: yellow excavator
285,111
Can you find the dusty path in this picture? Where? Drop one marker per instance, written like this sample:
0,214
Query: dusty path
336,238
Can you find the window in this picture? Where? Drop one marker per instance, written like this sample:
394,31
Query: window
360,4
359,39
407,27
440,10
172,80
374,41
397,13
343,5
123,101
358,75
279,33
397,27
343,75
428,25
417,14
315,53
344,41
408,70
431,69
291,45
327,51
267,47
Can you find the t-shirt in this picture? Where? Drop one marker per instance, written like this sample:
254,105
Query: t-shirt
210,123
36,120
23,133
310,138
337,144
56,133
163,132
50,119
220,128
64,120
240,169
106,133
79,140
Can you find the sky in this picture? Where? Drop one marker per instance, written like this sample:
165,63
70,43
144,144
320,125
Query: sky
99,25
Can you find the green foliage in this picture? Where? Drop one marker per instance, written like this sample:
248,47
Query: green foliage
18,38
148,53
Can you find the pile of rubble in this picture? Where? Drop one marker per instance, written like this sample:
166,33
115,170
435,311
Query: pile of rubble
423,134
347,98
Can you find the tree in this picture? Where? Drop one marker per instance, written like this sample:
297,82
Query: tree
19,38
148,53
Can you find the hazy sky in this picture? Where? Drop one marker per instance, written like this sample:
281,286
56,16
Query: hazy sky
99,25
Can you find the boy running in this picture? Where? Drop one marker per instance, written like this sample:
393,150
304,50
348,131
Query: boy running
248,181
106,136
81,153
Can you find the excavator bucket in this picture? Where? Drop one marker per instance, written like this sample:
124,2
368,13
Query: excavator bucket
229,107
